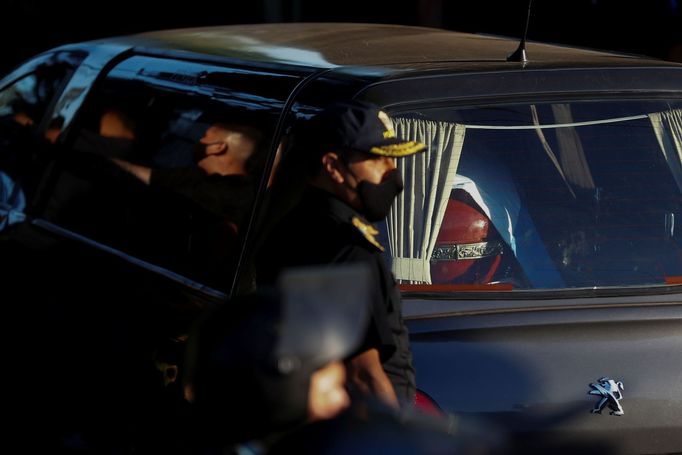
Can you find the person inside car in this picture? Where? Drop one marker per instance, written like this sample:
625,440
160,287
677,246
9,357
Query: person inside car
349,150
218,192
221,176
21,150
84,190
115,134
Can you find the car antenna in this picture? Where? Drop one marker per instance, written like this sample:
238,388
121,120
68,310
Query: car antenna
519,54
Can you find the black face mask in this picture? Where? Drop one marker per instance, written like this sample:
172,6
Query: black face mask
378,198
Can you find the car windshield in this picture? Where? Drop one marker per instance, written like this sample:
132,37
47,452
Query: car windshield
540,196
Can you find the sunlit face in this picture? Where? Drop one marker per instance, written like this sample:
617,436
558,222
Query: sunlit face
327,395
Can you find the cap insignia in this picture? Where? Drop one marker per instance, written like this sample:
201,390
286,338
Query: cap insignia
390,132
368,231
398,150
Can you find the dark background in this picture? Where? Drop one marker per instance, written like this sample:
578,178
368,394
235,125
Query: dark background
651,27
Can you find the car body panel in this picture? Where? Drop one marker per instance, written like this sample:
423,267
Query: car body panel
531,369
327,45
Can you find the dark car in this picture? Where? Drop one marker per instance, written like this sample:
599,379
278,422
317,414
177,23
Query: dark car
536,243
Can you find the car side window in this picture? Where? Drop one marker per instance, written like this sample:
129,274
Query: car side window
164,163
24,103
559,195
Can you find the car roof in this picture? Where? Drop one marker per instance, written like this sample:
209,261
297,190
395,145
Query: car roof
402,48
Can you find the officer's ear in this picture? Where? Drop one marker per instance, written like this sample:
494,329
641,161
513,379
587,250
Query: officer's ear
332,167
221,148
215,148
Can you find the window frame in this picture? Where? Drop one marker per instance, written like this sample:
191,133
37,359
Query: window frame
186,88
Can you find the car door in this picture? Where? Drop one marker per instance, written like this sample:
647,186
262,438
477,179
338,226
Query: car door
106,277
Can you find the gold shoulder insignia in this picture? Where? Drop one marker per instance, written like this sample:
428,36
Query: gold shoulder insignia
368,232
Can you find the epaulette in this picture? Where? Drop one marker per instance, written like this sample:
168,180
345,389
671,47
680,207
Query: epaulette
368,231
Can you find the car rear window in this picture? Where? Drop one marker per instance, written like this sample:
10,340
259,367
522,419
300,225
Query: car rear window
576,194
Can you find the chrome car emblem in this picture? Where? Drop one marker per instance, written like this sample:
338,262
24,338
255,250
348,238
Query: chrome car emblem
610,392
467,251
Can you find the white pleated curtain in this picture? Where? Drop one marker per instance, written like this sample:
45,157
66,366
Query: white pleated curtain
571,165
418,212
668,129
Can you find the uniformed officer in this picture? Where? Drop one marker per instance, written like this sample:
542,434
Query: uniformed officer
350,151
